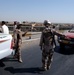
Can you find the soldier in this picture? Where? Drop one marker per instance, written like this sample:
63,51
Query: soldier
46,44
18,42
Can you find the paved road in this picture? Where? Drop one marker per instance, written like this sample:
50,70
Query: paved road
33,37
63,62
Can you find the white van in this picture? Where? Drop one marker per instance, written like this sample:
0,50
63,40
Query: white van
6,45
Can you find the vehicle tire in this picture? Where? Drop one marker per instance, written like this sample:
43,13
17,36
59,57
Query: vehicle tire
62,46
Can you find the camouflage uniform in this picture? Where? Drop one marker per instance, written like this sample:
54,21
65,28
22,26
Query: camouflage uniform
18,42
46,44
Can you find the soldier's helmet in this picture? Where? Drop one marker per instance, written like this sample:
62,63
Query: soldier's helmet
47,22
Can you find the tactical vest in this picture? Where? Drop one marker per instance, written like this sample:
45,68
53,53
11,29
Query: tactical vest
47,37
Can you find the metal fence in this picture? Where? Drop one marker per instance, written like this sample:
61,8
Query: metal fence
29,28
39,28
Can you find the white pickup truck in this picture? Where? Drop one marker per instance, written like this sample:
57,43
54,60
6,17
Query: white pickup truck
6,45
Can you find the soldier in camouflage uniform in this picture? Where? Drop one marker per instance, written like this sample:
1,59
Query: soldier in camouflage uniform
46,44
18,42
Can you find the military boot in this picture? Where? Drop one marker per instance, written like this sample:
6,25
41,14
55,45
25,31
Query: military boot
48,66
15,56
44,68
19,59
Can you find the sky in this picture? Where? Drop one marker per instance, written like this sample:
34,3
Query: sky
57,11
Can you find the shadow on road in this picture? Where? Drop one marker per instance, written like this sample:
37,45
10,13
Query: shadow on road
9,59
66,51
23,70
1,63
